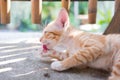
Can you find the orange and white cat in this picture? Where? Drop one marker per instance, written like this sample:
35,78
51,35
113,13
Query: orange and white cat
73,47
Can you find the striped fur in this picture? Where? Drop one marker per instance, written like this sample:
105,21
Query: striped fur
81,48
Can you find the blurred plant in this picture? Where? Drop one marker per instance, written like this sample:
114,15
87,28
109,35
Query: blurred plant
83,7
50,11
26,25
105,14
21,15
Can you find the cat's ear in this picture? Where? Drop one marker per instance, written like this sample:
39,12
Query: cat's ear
63,18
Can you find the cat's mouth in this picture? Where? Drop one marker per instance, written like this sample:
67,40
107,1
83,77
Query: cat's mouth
45,49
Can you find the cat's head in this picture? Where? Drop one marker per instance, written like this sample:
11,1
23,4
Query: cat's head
53,31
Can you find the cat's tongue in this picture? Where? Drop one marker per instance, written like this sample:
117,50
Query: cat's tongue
45,48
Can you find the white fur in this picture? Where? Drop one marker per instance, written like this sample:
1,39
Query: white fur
57,66
46,59
60,48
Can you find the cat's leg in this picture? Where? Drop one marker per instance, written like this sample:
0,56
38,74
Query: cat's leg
115,74
81,57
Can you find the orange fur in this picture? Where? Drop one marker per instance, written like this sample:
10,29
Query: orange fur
74,47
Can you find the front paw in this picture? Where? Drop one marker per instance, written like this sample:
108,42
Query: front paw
57,66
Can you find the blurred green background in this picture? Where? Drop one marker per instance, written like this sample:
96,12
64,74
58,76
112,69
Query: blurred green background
21,15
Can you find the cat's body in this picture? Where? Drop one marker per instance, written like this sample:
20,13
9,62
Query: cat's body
76,40
110,52
73,47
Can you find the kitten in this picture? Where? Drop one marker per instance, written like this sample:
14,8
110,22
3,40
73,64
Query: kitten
73,47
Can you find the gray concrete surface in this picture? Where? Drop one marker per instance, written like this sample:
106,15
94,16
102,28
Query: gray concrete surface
19,60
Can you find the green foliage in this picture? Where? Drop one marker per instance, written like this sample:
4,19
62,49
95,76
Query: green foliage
71,14
26,25
83,7
104,18
21,15
50,11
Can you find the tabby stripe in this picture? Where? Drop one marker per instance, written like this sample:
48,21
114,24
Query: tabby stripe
78,59
117,66
86,58
92,54
95,54
116,73
54,37
87,54
54,33
89,57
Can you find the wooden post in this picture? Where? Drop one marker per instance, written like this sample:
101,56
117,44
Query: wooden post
66,4
5,11
117,2
0,11
92,11
114,26
36,11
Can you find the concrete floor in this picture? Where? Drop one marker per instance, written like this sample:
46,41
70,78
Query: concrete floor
19,60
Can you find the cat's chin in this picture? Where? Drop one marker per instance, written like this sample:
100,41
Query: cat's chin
45,54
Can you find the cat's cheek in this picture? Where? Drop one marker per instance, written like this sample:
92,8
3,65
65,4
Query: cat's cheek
57,66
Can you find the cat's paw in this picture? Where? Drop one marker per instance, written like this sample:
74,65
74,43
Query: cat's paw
57,66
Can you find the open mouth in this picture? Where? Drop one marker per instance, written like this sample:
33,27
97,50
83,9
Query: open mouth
45,49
